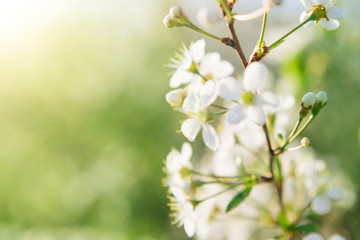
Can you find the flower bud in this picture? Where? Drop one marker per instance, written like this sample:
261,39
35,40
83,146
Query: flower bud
175,12
321,101
308,100
305,142
321,98
167,21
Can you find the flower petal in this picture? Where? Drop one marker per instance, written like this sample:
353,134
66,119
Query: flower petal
172,161
268,100
322,2
229,88
335,12
180,77
332,24
186,152
313,236
210,137
256,114
197,50
190,128
307,3
303,16
208,93
321,205
191,103
254,76
222,69
175,97
236,114
189,227
209,61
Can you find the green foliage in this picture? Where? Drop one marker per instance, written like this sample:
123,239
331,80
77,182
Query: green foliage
238,198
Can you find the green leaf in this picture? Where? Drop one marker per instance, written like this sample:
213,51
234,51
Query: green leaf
241,196
307,228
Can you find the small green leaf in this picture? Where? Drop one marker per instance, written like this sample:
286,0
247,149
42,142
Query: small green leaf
276,44
241,196
307,228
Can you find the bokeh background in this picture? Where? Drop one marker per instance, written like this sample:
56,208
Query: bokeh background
84,126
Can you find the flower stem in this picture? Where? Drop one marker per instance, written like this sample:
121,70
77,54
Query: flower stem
263,29
294,134
282,39
237,45
195,28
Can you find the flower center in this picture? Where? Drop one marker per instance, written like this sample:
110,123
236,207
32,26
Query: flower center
185,172
205,116
319,12
248,97
193,68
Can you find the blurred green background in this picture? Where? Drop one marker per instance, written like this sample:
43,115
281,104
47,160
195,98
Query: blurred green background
84,126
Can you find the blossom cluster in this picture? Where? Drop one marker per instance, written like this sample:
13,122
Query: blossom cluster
252,184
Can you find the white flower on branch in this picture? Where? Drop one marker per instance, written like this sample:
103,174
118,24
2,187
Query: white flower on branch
184,215
195,106
185,63
326,14
251,103
178,168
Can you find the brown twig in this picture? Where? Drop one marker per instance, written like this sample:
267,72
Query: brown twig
237,45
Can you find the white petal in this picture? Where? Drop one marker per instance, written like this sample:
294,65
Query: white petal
337,237
197,50
236,114
195,85
186,151
191,103
332,24
313,236
180,77
210,137
210,61
189,226
229,88
268,100
222,69
190,128
256,114
208,93
254,76
335,12
307,3
175,97
303,16
323,2
172,161
321,205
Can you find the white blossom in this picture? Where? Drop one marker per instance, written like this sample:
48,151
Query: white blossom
313,236
195,106
184,215
252,104
184,61
331,13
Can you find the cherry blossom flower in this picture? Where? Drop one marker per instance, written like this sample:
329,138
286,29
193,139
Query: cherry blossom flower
327,15
251,104
195,106
177,167
184,63
184,215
